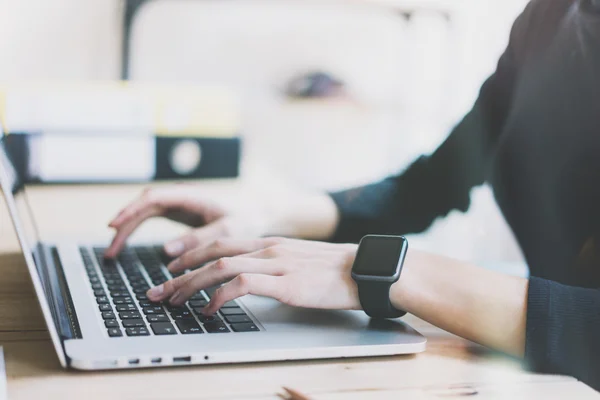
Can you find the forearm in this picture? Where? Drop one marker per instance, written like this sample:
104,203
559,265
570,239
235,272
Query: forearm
481,305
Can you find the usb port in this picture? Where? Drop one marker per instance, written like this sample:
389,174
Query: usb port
156,360
134,361
182,359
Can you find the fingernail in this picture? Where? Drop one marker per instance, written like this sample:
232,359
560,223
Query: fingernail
175,299
156,291
174,248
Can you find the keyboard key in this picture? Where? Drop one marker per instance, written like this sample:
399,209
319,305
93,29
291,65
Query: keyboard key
96,286
153,310
141,290
198,310
157,318
99,293
237,319
163,328
141,297
145,304
117,287
211,318
176,309
102,300
114,332
198,303
117,294
232,311
130,315
179,317
111,323
215,327
244,327
142,331
134,323
105,307
108,315
126,307
188,327
138,282
123,300
230,304
179,311
211,291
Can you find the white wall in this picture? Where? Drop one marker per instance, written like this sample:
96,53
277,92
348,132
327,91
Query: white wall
59,39
79,39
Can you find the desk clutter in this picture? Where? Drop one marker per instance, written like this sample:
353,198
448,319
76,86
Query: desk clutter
121,132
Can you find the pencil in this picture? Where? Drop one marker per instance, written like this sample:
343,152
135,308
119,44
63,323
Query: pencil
295,395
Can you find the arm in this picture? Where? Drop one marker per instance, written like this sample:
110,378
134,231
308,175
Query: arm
434,185
554,327
480,305
563,326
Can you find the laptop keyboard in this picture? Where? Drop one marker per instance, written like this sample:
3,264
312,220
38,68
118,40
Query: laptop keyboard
120,288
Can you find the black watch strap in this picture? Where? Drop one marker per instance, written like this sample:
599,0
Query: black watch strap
375,294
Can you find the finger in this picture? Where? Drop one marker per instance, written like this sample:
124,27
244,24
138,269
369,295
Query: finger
126,230
221,271
219,248
164,199
134,207
167,289
246,283
194,238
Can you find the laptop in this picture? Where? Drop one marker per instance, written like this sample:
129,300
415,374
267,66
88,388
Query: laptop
99,317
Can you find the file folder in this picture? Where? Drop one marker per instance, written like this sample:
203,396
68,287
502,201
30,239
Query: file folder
121,132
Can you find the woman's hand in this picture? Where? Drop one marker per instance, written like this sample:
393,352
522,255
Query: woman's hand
272,211
295,272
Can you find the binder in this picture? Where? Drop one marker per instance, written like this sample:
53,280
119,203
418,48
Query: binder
100,159
121,132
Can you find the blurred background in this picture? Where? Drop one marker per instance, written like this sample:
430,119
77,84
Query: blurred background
405,72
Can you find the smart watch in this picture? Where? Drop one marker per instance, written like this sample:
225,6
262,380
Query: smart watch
377,266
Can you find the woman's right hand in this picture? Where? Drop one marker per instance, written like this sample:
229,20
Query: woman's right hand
292,213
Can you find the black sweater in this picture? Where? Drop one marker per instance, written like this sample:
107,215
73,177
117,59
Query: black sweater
534,136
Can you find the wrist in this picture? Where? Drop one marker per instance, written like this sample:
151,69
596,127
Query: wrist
302,215
400,291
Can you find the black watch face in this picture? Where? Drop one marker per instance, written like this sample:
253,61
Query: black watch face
378,255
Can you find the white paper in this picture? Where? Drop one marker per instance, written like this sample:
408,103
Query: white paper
70,157
38,111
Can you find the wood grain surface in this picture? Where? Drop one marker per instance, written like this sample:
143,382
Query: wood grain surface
450,368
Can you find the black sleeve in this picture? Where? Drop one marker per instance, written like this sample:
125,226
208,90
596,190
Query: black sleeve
434,185
563,327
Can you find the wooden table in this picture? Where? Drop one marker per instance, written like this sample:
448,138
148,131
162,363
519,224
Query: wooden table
451,367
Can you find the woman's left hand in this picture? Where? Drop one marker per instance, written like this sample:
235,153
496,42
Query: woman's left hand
295,272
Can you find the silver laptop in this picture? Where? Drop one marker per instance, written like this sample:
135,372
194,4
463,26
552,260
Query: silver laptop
99,318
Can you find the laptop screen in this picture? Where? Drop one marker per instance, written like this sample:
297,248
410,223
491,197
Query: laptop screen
15,182
14,199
